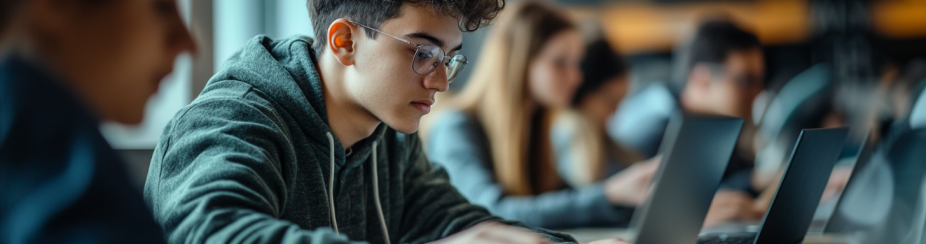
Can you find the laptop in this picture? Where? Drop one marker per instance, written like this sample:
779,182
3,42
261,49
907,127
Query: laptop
838,223
696,149
802,184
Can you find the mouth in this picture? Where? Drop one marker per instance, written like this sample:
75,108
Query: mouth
424,106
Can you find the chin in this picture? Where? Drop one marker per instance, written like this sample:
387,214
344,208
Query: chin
405,126
407,129
128,117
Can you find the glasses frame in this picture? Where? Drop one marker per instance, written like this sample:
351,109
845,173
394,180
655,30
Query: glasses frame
440,60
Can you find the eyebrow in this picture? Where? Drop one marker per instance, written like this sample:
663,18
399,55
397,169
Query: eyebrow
433,40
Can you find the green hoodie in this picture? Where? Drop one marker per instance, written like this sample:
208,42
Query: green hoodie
253,160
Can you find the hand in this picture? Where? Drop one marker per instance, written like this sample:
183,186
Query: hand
731,205
764,200
631,187
491,232
610,241
838,180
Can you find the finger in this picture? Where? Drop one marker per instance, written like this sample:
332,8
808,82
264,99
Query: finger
647,174
611,241
745,212
655,160
483,225
514,235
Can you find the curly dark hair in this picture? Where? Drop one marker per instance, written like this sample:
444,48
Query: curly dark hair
473,14
716,39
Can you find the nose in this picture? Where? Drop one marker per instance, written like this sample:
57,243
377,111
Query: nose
437,80
181,40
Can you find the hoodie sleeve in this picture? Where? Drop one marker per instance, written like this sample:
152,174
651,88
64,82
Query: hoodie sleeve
216,178
434,209
458,143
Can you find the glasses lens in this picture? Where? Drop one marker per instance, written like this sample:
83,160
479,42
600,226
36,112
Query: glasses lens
455,67
427,58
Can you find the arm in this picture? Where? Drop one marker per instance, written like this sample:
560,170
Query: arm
435,210
216,177
459,144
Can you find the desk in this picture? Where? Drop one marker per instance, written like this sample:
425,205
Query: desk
586,235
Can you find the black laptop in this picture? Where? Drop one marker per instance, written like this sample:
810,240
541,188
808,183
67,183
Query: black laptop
838,222
802,185
696,150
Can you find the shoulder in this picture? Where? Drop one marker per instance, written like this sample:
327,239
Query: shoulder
238,113
569,121
568,125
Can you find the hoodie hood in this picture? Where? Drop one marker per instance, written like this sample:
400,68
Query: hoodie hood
285,71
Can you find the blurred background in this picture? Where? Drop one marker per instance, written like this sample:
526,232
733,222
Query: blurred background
822,58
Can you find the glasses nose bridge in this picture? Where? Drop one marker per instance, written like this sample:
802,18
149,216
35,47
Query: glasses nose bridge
438,80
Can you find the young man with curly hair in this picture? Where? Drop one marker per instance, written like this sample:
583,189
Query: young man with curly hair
312,141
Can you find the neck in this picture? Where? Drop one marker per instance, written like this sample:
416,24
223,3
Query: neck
597,120
349,121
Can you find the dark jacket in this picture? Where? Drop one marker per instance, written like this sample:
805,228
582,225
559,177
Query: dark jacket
60,181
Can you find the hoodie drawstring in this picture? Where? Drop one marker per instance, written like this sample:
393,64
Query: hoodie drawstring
379,207
334,219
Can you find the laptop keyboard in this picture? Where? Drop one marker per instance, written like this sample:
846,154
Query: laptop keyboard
724,238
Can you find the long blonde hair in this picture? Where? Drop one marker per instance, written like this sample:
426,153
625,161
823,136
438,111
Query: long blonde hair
497,93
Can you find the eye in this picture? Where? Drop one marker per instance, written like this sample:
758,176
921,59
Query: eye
424,55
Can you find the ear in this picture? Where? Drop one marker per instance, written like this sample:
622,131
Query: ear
341,40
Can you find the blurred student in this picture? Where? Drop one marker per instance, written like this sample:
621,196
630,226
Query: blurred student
585,154
726,68
494,136
65,65
307,141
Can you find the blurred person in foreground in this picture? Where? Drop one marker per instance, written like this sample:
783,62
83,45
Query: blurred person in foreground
494,136
65,65
303,140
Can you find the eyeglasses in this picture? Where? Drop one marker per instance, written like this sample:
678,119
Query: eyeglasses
744,81
429,57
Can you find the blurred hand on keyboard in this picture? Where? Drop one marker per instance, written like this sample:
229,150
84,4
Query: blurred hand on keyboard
631,187
731,205
491,232
611,241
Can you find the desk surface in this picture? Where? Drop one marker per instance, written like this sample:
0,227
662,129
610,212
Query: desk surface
586,235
